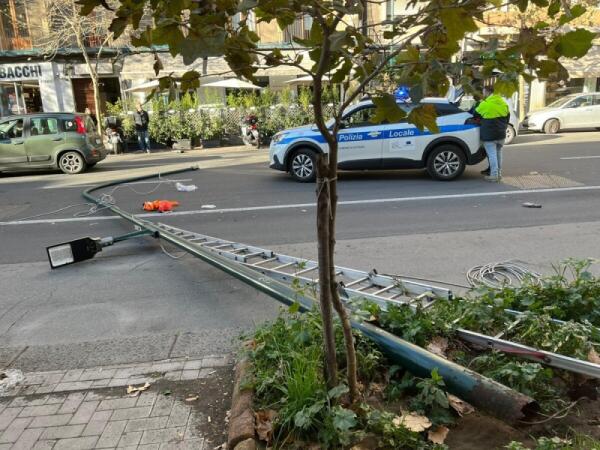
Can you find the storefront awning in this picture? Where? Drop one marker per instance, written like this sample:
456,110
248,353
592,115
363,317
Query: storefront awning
231,83
306,80
585,67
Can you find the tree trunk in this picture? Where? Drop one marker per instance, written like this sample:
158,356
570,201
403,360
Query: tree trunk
326,215
325,262
351,366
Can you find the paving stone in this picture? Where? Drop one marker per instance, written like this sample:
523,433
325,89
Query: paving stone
92,395
32,378
146,399
45,389
27,439
112,434
35,411
194,444
163,435
72,375
146,447
205,373
130,439
7,416
189,374
80,443
29,390
191,365
173,376
162,406
51,421
115,382
101,416
84,413
167,366
94,428
151,423
73,386
68,431
179,415
24,401
97,374
131,413
117,403
8,446
216,361
44,445
72,403
14,430
100,383
55,398
53,377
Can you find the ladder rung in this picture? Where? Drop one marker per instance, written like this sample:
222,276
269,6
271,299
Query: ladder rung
300,272
385,289
362,288
360,280
510,327
264,261
222,246
237,250
284,265
252,255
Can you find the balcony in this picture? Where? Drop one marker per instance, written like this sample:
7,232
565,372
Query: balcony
15,43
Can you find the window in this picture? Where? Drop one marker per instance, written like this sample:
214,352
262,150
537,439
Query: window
579,102
69,125
360,118
11,129
596,100
42,125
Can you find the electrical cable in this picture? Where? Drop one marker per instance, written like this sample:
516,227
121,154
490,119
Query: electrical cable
501,274
107,200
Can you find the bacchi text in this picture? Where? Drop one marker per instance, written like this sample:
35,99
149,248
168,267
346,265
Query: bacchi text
20,71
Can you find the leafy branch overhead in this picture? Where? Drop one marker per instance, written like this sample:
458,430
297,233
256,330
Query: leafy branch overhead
418,48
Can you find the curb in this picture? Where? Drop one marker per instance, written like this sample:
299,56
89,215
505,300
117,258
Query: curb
241,434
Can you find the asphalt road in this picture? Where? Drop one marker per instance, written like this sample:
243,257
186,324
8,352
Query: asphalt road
133,302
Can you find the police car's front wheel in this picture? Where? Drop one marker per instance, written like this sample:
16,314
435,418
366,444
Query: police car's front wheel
303,166
446,163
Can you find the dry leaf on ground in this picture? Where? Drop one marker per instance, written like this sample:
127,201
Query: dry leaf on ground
137,389
593,356
460,406
438,346
412,421
192,399
264,424
438,434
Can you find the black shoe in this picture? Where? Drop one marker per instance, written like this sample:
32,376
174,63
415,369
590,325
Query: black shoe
486,171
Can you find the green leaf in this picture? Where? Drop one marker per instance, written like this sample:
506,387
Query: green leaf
576,11
87,6
118,25
540,3
424,116
386,109
340,75
190,80
574,44
554,8
294,308
247,5
457,22
337,391
506,88
343,419
522,5
541,25
337,40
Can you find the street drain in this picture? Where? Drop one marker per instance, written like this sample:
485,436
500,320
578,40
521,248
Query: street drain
539,181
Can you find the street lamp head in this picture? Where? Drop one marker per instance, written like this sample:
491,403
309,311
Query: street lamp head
72,252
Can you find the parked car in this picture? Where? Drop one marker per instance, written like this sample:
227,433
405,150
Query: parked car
365,145
67,141
571,111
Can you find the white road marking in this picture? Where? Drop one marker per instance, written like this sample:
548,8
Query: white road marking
581,157
312,205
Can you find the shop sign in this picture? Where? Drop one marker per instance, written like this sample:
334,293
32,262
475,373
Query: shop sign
19,72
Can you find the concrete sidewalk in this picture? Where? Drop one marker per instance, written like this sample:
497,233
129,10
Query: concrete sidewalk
184,408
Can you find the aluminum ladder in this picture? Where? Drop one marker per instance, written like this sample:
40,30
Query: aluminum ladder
381,289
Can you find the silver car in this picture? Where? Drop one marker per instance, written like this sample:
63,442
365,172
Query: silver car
569,112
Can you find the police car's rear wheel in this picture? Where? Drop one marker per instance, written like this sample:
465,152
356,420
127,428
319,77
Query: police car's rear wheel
446,163
303,166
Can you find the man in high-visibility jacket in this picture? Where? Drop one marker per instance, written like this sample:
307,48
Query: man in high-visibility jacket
494,115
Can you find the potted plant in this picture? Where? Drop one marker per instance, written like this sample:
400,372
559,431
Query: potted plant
212,131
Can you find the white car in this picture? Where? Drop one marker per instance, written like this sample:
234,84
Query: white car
367,146
571,111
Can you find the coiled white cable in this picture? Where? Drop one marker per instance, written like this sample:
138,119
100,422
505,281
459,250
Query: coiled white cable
502,274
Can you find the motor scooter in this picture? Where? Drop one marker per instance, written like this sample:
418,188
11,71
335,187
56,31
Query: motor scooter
250,132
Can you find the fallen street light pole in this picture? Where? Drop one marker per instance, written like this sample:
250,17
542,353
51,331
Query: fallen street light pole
482,392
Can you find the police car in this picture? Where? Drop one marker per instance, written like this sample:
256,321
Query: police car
367,146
